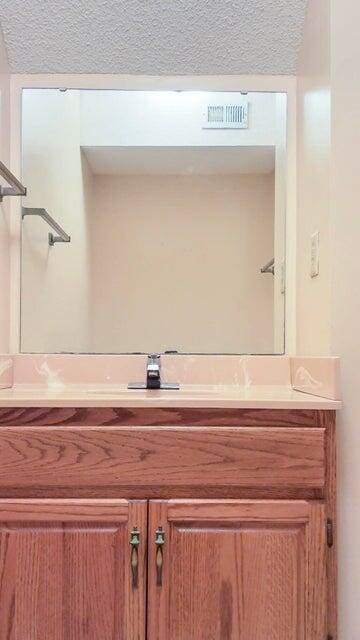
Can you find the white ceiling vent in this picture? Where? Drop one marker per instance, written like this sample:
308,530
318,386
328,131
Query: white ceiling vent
226,116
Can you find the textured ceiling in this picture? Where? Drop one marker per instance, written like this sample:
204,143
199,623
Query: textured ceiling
172,37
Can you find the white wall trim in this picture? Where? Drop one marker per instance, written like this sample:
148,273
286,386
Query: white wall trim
291,222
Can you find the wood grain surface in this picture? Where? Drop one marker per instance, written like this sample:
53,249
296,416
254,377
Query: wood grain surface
64,577
158,456
162,417
238,571
330,496
239,500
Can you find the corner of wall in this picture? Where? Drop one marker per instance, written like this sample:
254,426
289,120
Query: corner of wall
313,306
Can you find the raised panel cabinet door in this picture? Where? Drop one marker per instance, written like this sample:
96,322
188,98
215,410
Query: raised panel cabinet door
72,569
236,570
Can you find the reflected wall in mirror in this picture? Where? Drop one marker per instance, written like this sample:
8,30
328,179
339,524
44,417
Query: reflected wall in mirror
175,206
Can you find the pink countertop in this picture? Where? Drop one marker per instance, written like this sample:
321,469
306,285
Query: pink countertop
196,396
265,382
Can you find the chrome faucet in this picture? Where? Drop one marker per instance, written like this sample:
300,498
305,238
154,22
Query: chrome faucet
153,376
153,372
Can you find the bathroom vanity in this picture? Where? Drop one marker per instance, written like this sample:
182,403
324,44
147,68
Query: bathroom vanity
167,522
202,508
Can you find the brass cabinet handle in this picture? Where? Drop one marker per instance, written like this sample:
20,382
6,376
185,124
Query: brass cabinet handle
159,541
134,557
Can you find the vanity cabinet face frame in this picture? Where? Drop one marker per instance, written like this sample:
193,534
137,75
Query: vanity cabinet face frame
48,420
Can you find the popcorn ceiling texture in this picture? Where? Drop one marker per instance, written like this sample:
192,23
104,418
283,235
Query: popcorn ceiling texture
170,37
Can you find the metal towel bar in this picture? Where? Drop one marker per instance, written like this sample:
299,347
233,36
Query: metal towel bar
15,189
42,213
269,267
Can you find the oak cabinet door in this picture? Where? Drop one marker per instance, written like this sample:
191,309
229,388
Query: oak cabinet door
236,570
68,572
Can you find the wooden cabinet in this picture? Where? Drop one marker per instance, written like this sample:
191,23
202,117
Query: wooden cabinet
65,571
237,570
167,524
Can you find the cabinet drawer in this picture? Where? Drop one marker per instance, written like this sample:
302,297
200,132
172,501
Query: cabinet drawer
150,457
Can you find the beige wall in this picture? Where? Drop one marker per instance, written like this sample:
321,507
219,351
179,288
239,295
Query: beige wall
329,197
55,280
175,263
313,167
4,206
345,316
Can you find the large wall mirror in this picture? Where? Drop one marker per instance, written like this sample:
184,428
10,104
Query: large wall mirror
174,205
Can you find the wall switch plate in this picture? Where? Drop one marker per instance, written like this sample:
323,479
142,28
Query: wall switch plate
314,255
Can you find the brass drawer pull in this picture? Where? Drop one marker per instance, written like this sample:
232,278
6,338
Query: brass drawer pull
134,557
159,541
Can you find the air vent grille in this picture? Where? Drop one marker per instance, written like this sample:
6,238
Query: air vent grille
226,116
